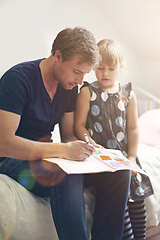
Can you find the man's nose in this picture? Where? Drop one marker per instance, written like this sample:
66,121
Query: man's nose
79,80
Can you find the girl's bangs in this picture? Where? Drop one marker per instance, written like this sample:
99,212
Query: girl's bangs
109,57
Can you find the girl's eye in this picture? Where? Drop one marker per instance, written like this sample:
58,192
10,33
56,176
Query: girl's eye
111,69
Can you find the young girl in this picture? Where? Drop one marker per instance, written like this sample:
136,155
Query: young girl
107,111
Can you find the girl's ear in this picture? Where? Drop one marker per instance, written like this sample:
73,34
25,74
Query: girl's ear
121,68
95,67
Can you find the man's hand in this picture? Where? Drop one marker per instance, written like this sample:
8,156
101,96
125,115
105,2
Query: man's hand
77,150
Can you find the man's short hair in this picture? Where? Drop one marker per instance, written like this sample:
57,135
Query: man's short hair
76,41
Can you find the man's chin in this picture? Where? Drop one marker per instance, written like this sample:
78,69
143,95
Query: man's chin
69,86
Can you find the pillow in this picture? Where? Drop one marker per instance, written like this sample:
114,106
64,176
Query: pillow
149,127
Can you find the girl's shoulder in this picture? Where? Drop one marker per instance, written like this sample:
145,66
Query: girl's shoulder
85,84
126,86
92,86
126,89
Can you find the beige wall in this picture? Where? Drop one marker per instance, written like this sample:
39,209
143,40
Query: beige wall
28,28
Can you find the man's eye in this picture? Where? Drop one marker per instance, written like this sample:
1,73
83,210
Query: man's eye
100,68
76,72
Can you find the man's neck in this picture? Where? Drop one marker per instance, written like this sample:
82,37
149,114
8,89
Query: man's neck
47,66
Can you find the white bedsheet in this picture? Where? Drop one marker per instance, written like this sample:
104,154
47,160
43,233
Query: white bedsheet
23,216
149,156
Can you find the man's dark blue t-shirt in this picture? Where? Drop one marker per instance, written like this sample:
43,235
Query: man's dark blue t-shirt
22,92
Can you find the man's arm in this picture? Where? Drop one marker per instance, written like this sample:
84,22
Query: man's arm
23,149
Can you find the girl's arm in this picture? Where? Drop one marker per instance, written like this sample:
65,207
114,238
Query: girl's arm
66,127
132,128
81,113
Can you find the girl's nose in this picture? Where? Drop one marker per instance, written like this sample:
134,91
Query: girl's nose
105,72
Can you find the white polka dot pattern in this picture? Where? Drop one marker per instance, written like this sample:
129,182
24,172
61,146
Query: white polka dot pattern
120,136
119,121
95,110
104,96
98,127
121,106
111,144
94,96
90,132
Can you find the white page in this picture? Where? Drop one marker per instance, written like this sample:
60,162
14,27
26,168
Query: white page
95,164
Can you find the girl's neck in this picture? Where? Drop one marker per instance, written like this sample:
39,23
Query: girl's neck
111,88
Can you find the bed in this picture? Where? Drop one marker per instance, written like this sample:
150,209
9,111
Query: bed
23,216
149,155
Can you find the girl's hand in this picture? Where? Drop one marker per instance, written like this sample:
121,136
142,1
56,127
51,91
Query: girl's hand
133,160
96,145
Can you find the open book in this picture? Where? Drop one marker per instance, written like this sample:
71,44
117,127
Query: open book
102,160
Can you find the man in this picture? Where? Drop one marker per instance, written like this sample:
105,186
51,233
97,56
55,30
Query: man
34,96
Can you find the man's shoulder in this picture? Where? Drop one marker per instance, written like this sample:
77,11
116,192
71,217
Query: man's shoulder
23,67
22,71
28,65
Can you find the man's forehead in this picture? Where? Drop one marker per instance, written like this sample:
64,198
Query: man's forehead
83,67
80,65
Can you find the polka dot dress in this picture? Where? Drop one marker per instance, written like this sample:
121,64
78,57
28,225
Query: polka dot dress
106,121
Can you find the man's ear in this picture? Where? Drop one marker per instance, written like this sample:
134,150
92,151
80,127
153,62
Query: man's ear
58,56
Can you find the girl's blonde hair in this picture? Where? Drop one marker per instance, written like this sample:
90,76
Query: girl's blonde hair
111,53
